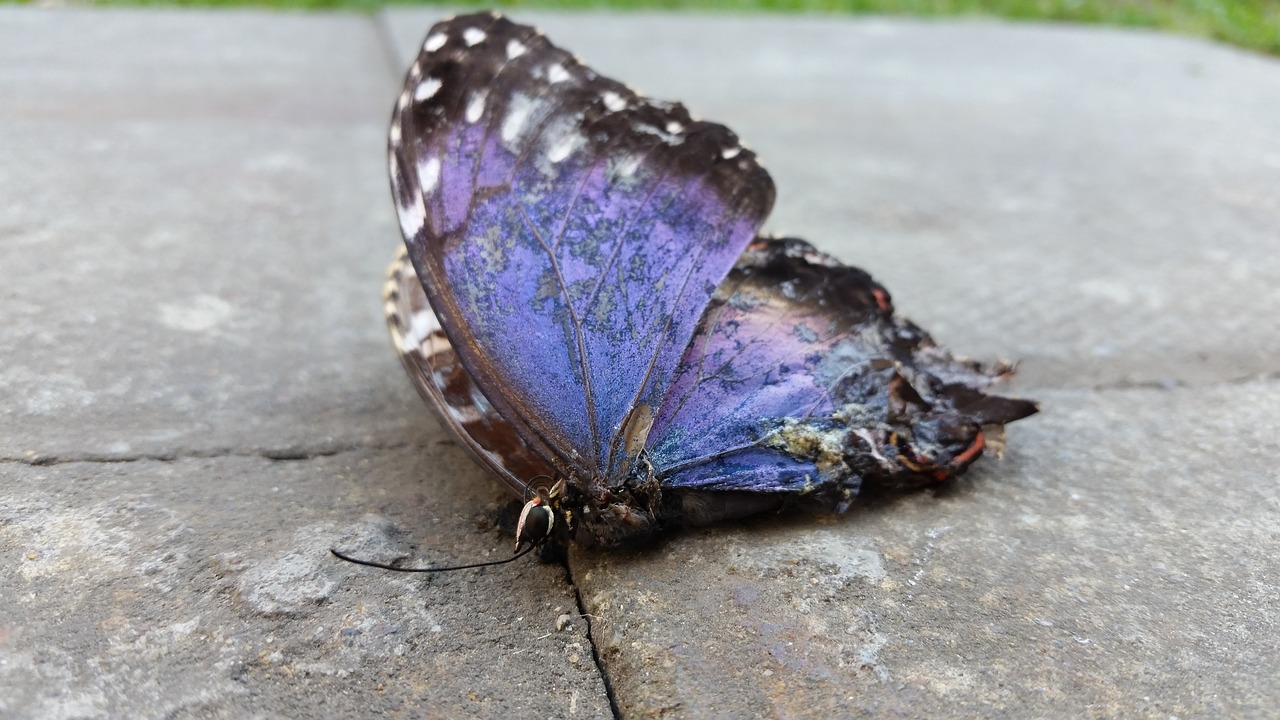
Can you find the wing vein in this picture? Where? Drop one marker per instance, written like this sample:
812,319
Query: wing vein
658,345
604,271
584,363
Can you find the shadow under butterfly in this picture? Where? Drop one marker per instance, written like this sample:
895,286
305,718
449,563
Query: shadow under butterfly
584,300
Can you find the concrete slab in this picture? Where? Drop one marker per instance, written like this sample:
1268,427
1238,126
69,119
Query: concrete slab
198,397
202,588
198,222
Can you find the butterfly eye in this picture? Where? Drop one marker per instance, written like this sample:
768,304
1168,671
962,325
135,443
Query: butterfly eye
536,522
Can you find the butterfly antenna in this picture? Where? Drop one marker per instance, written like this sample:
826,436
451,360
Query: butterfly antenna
385,566
529,491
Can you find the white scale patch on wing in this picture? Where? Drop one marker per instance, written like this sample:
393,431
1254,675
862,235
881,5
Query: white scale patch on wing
413,216
518,111
426,89
564,146
557,74
421,326
613,101
628,166
429,174
435,42
670,138
473,36
475,106
515,49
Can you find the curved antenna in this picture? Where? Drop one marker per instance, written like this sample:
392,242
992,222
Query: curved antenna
529,491
385,566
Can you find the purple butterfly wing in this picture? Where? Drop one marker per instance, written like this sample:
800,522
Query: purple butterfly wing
447,387
800,379
568,232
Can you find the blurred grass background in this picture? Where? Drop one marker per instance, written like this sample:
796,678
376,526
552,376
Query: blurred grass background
1253,24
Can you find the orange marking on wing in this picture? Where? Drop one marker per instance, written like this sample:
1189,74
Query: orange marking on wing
882,299
972,452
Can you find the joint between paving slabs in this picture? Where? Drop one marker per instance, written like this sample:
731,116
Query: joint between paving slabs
596,655
1168,384
386,41
288,454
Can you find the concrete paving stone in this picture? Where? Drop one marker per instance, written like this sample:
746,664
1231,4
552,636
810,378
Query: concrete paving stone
192,253
203,587
1115,564
1101,204
196,227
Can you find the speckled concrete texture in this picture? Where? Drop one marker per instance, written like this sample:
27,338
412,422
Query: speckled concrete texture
197,398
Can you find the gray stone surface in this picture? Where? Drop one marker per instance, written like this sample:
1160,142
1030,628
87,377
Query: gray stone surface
198,205
197,398
203,587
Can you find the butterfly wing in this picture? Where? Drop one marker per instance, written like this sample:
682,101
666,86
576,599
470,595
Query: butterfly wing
801,380
445,384
568,232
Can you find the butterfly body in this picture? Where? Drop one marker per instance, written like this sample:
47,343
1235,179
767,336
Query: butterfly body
586,302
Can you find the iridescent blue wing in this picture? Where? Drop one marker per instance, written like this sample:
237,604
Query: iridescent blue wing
441,379
568,231
801,380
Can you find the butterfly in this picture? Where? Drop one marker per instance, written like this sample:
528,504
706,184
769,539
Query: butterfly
585,300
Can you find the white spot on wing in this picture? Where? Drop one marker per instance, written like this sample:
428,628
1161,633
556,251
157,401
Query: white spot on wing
480,402
421,326
515,49
613,100
666,137
473,36
426,89
413,215
395,133
556,73
517,113
429,174
674,127
475,108
730,153
434,42
564,147
403,102
628,166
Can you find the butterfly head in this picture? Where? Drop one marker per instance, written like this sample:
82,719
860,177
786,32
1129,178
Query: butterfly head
540,516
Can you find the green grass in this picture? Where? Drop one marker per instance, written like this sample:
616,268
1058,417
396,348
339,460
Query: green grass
1253,24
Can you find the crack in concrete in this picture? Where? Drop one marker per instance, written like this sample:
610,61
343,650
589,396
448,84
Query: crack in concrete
1173,383
1169,384
596,656
285,454
386,39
